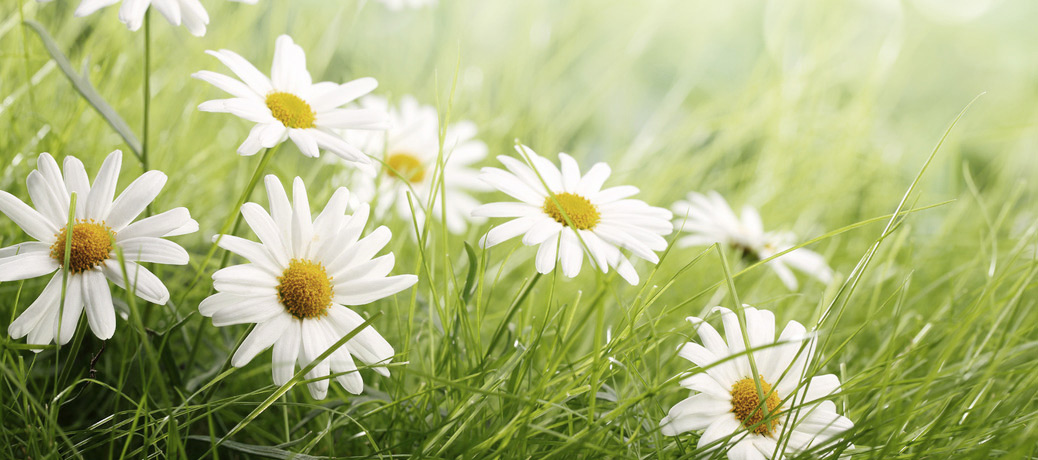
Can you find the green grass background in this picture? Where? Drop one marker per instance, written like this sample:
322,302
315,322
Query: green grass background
819,113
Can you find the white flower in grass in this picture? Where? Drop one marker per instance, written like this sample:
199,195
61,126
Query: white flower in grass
604,221
290,106
187,12
726,404
300,278
409,149
397,5
711,220
101,227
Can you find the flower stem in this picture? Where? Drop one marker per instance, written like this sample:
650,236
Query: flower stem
146,92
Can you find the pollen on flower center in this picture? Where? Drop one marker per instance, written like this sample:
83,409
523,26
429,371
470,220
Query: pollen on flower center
91,244
746,402
305,289
406,167
290,110
581,212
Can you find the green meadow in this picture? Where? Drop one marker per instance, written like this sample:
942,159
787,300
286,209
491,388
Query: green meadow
899,140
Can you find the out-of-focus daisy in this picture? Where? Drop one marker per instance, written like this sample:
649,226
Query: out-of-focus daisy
300,278
604,221
711,220
290,106
726,404
101,227
187,12
397,5
409,149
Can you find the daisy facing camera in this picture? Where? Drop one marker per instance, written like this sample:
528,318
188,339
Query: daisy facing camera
301,277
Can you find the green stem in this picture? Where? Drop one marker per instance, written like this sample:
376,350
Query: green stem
147,91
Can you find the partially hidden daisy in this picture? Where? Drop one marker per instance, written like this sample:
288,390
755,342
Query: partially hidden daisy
190,13
409,150
102,228
289,105
300,278
708,219
726,404
604,221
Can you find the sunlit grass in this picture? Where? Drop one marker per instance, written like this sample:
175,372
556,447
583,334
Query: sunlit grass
935,341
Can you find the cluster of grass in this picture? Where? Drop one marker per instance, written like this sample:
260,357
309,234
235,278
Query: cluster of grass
823,121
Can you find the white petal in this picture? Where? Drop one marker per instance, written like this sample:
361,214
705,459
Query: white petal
39,309
234,87
342,94
88,7
137,196
694,413
508,230
255,310
244,70
546,256
151,249
306,142
266,230
159,225
148,286
364,291
32,222
286,351
26,265
261,338
369,346
103,190
99,308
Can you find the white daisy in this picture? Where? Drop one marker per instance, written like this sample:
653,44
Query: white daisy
397,5
604,221
102,227
409,149
711,220
290,106
301,275
187,12
726,404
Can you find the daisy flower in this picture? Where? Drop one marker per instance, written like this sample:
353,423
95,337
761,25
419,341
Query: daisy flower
102,227
290,106
708,219
187,12
726,404
302,275
604,221
409,149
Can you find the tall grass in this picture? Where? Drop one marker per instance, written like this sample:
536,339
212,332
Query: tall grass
935,340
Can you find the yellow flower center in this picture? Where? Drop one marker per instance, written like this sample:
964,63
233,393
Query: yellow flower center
406,167
91,244
746,403
581,212
305,289
290,110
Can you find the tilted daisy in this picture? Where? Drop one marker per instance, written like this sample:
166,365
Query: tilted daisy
300,278
604,221
187,12
708,219
101,228
726,405
288,105
409,150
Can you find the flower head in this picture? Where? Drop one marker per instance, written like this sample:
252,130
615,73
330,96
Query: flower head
793,415
409,149
101,229
569,214
708,219
300,278
177,12
289,105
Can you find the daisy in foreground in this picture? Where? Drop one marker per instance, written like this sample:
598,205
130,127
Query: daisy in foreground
409,149
101,228
290,106
301,275
189,12
603,221
726,404
711,220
